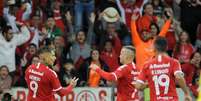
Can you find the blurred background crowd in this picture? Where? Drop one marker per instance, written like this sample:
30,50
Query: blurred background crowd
85,32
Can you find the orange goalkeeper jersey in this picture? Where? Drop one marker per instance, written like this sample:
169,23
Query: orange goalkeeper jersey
145,50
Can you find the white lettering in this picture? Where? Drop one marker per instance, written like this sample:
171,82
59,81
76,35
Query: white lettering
34,78
163,71
35,72
159,66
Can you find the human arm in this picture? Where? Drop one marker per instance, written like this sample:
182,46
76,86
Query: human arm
27,12
167,24
179,77
134,34
65,90
113,76
56,86
181,82
24,36
90,33
122,11
71,36
140,83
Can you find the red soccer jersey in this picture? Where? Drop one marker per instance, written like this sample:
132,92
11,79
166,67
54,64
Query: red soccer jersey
159,72
42,83
125,75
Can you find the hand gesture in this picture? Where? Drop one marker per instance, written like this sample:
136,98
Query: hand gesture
169,13
73,82
92,17
68,16
44,31
24,59
93,67
134,17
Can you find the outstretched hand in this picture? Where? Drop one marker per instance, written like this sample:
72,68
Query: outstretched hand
92,17
68,16
73,82
169,13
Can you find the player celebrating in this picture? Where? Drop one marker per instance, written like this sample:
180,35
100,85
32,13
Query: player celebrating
42,81
124,75
161,72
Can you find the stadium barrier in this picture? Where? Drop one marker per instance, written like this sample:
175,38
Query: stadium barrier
84,94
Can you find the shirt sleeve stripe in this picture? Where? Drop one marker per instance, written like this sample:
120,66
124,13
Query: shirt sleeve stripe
178,71
115,76
57,89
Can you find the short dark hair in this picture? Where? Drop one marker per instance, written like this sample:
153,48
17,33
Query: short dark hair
129,47
156,25
33,44
160,44
145,5
4,66
6,28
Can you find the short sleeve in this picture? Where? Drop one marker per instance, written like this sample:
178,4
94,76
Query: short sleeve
143,75
54,81
120,72
176,67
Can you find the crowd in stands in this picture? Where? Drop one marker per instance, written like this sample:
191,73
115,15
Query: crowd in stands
85,32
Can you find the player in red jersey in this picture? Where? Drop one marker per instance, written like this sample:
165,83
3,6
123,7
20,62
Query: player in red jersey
124,75
162,72
42,81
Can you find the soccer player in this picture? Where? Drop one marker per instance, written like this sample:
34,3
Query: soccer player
42,81
124,75
161,73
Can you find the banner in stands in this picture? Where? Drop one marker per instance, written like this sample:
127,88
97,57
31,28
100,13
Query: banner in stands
78,94
86,94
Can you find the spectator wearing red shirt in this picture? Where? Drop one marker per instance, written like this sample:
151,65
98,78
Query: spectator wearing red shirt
183,49
57,16
191,70
147,18
111,52
131,7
